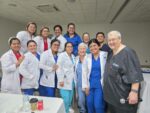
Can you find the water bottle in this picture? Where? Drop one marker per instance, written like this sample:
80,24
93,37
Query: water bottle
26,104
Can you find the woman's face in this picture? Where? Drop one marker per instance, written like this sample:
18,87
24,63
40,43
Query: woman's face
69,48
94,48
15,45
45,33
31,28
86,38
100,38
32,47
58,31
82,51
55,46
71,29
114,42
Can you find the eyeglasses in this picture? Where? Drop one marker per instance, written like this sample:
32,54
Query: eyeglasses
56,44
69,46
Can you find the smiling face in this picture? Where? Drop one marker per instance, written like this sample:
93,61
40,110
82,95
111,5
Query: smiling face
31,28
86,38
45,32
15,45
100,38
82,51
113,41
55,46
94,48
57,31
69,48
71,29
32,47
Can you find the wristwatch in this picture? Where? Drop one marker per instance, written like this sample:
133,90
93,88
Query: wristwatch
135,90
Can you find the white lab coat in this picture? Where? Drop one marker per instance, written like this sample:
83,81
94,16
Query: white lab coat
65,72
87,65
30,71
10,78
40,43
62,40
46,63
24,37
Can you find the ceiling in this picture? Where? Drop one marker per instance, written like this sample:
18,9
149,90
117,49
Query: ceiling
78,11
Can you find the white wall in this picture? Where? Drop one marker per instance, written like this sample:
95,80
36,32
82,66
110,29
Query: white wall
135,35
8,28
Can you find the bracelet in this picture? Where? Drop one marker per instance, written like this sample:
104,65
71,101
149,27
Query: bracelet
135,90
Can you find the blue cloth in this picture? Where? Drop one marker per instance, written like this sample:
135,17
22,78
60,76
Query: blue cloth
95,75
47,91
76,40
88,51
81,94
55,58
38,56
28,91
31,90
95,101
67,96
81,100
41,72
105,48
79,74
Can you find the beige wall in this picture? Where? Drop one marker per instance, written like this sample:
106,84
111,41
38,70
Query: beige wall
8,28
134,35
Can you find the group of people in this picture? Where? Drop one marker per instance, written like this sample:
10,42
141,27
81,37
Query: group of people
99,74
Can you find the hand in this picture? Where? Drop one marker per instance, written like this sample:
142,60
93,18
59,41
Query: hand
19,61
61,84
55,67
133,98
87,91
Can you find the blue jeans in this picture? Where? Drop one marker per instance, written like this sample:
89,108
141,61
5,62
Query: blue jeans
81,100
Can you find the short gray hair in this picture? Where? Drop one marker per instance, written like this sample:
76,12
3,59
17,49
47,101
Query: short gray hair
82,45
115,33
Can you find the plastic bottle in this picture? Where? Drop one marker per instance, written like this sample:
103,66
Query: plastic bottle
26,104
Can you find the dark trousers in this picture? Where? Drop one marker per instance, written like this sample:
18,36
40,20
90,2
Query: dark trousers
114,109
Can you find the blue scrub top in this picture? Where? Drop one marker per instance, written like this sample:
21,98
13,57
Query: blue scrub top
38,56
76,40
41,71
105,48
55,58
95,75
79,74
